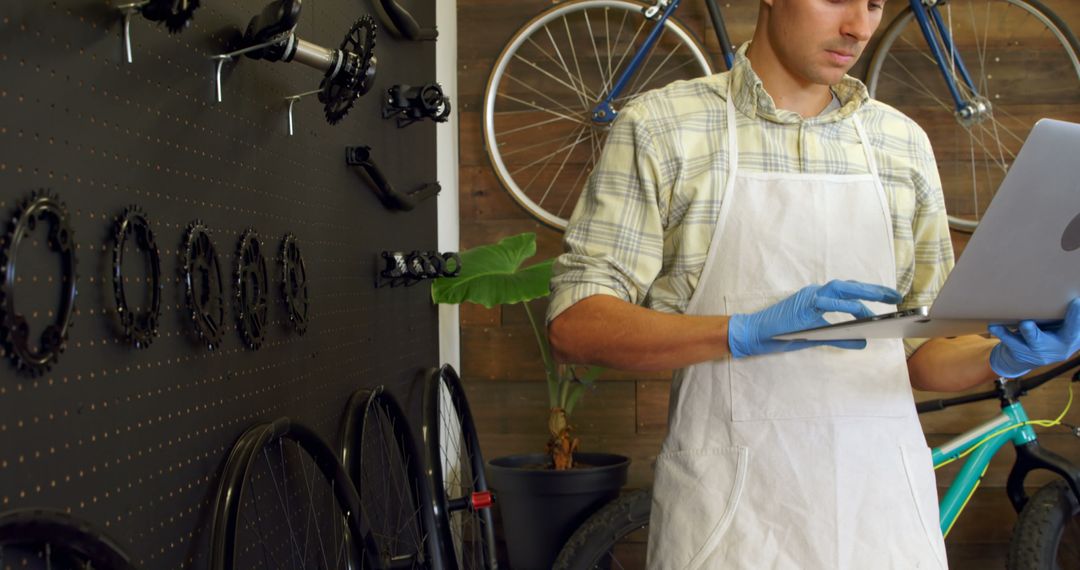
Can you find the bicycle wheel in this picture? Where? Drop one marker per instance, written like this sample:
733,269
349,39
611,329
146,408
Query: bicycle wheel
538,128
462,501
52,540
380,454
1023,62
285,501
1047,533
616,536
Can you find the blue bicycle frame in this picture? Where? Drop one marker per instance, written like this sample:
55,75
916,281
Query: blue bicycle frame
926,12
603,112
937,37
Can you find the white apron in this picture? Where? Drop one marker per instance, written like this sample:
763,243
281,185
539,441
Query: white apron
812,459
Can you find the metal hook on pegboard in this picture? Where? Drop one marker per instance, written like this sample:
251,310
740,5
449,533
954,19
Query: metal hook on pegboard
175,14
292,100
126,10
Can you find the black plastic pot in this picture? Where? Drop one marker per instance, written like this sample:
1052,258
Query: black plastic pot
541,508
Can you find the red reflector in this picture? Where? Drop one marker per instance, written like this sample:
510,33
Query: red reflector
482,500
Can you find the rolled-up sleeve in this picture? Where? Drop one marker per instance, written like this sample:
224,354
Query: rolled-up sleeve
614,241
934,257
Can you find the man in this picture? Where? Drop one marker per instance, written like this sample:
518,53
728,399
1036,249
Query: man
746,204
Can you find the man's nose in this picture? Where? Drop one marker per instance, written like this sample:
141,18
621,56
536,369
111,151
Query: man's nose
858,22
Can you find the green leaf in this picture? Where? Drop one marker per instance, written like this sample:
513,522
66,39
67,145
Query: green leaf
492,275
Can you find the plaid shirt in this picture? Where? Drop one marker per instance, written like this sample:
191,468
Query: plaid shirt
642,227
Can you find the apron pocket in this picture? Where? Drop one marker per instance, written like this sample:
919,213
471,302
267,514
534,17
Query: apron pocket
695,496
919,468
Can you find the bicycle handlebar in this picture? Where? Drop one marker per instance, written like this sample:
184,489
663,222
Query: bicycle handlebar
1007,390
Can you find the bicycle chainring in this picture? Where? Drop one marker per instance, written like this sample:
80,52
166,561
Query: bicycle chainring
251,284
138,329
357,73
42,205
175,14
294,288
203,287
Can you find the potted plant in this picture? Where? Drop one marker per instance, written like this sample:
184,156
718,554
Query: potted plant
564,486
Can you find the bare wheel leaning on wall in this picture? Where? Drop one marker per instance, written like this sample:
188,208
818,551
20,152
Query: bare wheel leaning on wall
538,104
461,498
52,540
284,501
1023,62
380,454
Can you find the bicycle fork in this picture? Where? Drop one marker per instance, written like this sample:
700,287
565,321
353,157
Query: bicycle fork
968,111
603,113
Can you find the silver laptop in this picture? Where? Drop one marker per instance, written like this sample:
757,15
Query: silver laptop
1023,261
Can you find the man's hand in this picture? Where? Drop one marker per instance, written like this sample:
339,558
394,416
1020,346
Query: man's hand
1031,347
750,335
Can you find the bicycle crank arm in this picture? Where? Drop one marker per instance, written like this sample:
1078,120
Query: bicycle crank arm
390,198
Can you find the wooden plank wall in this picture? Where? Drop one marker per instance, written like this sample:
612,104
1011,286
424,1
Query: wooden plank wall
627,413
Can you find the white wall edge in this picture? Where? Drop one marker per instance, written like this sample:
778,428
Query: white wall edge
446,138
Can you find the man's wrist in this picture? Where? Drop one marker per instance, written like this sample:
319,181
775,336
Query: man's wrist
736,335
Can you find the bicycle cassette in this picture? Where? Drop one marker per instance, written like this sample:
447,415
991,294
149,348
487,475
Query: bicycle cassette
342,87
203,287
294,288
251,283
42,205
175,14
138,328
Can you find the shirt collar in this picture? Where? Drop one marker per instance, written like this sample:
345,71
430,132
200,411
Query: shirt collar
752,100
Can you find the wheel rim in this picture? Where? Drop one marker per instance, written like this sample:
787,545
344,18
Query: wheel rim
285,501
457,472
537,104
999,41
387,475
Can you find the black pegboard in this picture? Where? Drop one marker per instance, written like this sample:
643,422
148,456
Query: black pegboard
132,440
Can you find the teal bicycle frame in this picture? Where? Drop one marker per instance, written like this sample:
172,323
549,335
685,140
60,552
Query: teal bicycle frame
985,440
975,467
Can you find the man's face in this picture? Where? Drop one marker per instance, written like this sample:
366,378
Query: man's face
818,41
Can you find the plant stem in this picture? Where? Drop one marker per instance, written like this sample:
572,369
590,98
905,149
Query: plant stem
545,355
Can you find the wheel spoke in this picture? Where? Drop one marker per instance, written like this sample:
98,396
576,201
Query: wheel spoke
545,109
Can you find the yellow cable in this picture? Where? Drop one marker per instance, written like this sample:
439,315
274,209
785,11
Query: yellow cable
1040,423
963,506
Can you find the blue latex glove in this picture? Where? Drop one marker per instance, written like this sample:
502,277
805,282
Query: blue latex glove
750,335
1032,346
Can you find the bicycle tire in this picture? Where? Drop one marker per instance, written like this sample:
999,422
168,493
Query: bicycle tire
513,110
377,447
240,478
1049,519
461,499
592,543
971,173
68,541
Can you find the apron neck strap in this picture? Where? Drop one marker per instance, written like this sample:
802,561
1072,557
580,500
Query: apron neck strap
865,141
